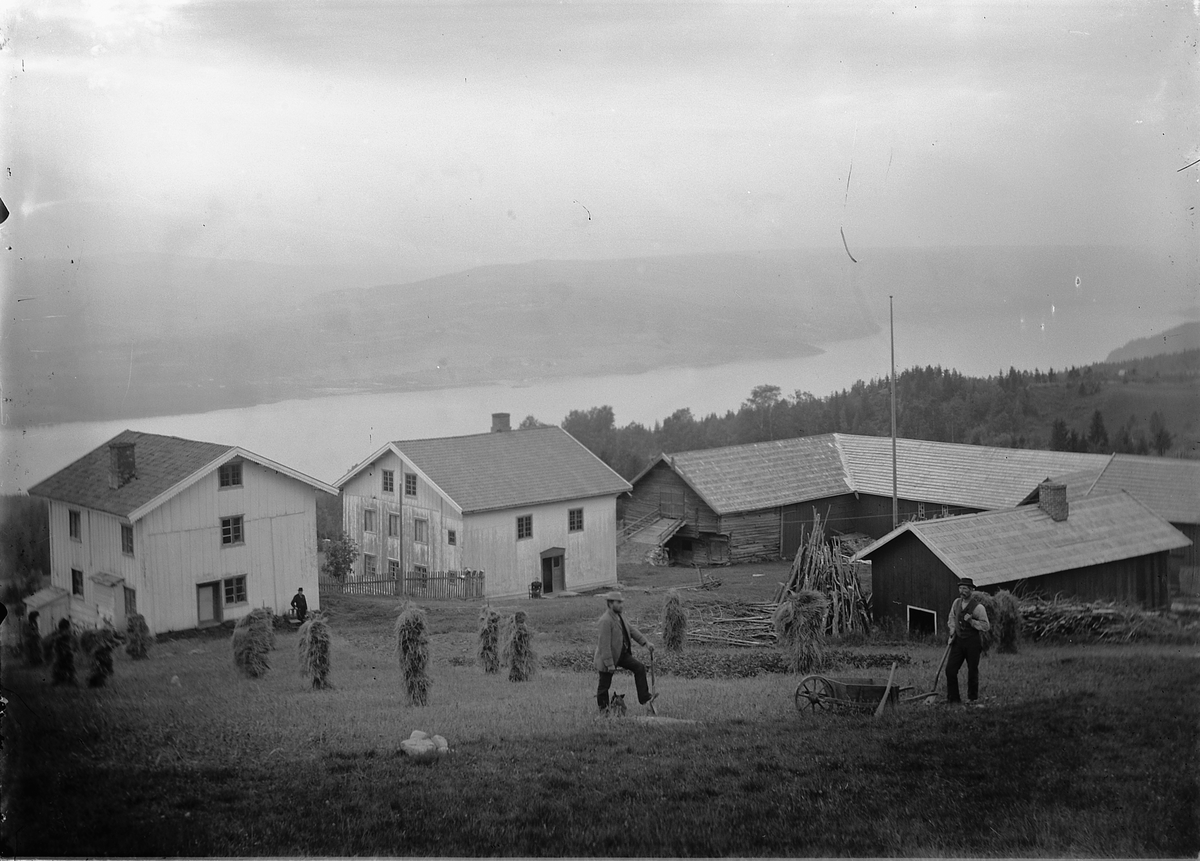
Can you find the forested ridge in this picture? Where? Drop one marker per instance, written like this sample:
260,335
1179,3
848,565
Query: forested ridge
1141,406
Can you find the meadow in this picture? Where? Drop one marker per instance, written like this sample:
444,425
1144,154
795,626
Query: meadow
1076,751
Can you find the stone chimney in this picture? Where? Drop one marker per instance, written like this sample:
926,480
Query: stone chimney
122,467
1052,499
500,422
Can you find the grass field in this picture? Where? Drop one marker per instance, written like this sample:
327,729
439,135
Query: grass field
1077,751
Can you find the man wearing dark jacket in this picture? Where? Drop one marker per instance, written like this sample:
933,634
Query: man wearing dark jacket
300,604
968,619
614,649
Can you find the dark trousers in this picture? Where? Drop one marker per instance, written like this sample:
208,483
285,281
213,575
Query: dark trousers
963,650
627,662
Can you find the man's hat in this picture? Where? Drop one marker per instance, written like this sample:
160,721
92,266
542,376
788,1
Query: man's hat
613,596
966,581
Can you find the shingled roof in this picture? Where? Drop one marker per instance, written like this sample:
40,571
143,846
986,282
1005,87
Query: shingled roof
163,464
973,476
1003,546
1169,486
489,471
763,474
783,472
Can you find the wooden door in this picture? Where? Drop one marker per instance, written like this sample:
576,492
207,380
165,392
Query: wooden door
547,576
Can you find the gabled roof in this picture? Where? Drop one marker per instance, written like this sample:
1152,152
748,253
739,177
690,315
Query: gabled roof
1169,486
763,474
1002,546
490,471
973,476
783,472
165,466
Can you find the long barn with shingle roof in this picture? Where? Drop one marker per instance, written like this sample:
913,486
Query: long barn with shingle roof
758,500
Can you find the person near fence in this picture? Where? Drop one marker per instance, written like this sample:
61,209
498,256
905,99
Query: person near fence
300,604
615,649
967,619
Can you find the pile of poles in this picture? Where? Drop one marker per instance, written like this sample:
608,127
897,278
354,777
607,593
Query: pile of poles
821,567
731,623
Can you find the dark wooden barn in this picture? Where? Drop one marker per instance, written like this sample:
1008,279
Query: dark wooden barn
1170,487
1106,547
757,501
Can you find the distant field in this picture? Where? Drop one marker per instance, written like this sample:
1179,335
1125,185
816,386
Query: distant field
1077,752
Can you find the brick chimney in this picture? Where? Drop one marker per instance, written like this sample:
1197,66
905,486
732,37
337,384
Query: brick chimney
122,467
1052,499
500,422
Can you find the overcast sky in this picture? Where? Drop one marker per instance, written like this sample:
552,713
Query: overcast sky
438,137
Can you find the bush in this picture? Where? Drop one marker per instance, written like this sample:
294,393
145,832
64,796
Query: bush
340,557
313,649
519,655
674,622
800,628
98,644
412,648
253,638
137,637
489,640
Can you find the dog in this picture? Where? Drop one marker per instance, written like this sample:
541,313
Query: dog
616,706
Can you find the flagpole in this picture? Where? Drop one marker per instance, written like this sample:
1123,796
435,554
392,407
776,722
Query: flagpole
895,495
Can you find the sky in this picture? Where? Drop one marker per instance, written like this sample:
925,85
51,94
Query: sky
436,137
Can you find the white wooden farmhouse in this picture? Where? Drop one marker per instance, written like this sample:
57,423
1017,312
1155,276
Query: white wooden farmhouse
186,533
520,505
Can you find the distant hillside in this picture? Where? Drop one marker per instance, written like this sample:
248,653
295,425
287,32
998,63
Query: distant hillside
1177,340
139,335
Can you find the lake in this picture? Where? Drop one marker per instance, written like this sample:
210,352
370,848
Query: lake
325,436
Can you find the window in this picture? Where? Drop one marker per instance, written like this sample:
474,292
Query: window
394,569
393,525
74,525
920,511
945,511
524,526
389,481
231,530
126,539
421,572
575,520
76,582
369,520
230,475
451,537
410,484
235,590
421,530
369,569
130,602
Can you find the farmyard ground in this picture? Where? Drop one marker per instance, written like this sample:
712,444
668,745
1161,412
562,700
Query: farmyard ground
1084,751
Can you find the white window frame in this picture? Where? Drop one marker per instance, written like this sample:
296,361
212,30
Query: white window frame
78,579
410,480
229,475
908,611
371,569
126,532
233,583
524,524
75,524
420,530
389,481
393,520
234,527
370,520
452,537
571,513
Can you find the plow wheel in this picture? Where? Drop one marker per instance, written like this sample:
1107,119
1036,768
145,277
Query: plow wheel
814,694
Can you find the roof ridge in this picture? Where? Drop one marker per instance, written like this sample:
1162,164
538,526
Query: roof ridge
480,434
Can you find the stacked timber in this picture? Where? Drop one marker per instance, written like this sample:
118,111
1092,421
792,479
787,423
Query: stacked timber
821,566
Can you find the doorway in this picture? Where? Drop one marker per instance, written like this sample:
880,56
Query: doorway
208,606
552,570
921,622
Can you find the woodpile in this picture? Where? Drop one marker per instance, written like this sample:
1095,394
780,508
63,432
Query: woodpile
1094,621
821,567
731,623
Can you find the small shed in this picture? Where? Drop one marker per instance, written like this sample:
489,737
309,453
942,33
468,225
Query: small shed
51,604
1109,547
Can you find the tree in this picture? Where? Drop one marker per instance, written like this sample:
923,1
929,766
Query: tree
24,545
1060,436
531,422
1160,439
761,404
1097,436
340,557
